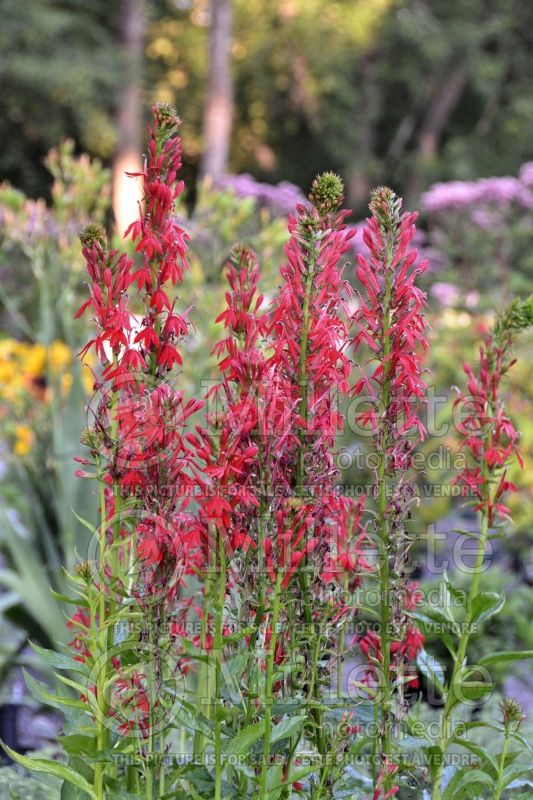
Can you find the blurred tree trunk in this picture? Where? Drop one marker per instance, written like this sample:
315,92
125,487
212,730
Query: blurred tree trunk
218,113
441,106
361,172
126,192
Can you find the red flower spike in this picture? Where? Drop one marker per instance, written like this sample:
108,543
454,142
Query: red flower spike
390,322
486,431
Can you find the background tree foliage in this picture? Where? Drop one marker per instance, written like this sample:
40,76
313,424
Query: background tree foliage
59,68
403,91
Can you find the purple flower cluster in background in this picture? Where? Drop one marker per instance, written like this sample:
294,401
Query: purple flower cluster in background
460,195
31,223
281,198
478,233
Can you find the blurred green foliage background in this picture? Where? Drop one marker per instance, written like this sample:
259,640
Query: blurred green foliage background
397,91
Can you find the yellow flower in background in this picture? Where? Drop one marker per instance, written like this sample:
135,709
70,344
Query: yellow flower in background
66,383
59,357
31,376
32,359
12,381
24,439
29,370
7,371
451,318
88,367
7,347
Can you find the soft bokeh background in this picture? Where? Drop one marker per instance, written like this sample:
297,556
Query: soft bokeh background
433,97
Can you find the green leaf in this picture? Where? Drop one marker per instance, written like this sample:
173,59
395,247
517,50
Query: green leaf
464,779
200,780
285,728
412,742
303,772
71,792
434,756
195,652
485,605
487,760
241,743
90,527
79,688
77,720
504,657
432,622
459,595
239,635
471,690
58,660
39,691
31,576
431,668
8,600
73,601
521,740
515,772
77,744
55,768
190,717
287,706
274,781
429,615
117,791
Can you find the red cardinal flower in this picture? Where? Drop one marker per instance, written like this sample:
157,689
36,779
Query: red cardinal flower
487,432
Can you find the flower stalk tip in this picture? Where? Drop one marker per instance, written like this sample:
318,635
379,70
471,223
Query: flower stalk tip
327,193
386,207
92,234
512,714
166,121
516,318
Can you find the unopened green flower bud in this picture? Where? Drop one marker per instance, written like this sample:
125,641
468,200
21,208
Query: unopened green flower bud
386,207
84,570
167,121
516,318
92,234
512,714
327,192
242,256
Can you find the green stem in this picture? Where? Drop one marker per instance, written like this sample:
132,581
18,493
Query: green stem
218,646
319,790
268,688
461,653
374,765
153,691
162,766
203,694
383,535
102,732
464,640
315,713
302,375
501,766
341,647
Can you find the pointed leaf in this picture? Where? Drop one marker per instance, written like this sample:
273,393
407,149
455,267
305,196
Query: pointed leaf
465,779
504,657
55,768
485,605
58,660
241,743
431,668
286,728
